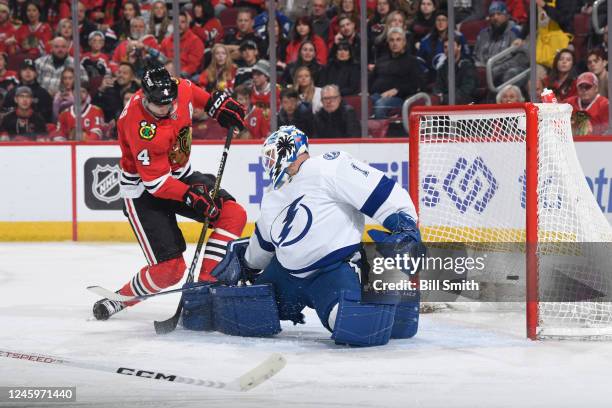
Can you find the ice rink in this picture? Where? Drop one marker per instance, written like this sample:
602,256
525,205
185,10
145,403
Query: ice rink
457,359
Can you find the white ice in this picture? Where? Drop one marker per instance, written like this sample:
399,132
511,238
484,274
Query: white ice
457,359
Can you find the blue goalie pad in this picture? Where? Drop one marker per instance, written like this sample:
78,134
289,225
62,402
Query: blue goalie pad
406,322
197,307
248,311
362,324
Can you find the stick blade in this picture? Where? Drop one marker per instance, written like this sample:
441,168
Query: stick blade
259,374
169,325
105,293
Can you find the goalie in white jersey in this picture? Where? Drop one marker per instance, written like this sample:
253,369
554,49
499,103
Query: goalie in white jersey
307,243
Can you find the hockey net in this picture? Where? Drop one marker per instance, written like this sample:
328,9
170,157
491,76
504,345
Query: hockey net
506,180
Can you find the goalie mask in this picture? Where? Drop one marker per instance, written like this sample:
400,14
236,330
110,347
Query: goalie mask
281,149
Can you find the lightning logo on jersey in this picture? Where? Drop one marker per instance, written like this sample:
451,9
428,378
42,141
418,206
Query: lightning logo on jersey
294,221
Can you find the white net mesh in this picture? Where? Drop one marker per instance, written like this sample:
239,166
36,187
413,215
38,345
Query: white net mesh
472,189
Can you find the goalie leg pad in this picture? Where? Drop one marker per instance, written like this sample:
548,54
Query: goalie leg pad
248,311
362,324
406,321
198,308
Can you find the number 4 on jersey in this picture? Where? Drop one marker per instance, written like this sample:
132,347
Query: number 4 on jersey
143,157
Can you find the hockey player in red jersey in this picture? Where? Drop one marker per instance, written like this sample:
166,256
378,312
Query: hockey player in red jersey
157,182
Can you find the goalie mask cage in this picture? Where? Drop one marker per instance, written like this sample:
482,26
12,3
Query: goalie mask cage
510,173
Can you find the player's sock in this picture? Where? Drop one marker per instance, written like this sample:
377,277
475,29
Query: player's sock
228,227
153,278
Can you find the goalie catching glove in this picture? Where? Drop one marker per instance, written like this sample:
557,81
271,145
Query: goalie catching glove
198,197
225,110
233,268
404,238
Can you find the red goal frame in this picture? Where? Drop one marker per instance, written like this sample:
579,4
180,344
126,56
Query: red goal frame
531,215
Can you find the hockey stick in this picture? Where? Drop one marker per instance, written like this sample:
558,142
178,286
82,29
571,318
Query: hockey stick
168,325
245,382
109,294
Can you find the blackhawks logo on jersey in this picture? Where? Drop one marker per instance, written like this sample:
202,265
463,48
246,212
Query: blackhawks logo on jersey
147,130
182,147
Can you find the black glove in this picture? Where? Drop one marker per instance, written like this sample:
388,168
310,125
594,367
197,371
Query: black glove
225,110
198,197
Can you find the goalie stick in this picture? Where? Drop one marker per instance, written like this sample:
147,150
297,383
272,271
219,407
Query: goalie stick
109,294
251,379
168,325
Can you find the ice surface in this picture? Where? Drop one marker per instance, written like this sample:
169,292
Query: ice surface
458,359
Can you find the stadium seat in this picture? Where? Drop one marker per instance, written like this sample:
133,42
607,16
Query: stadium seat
582,27
355,102
14,61
208,130
228,17
471,29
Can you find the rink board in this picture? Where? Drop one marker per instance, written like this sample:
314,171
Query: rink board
69,191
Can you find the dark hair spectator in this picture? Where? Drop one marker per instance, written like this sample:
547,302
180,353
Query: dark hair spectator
597,63
191,48
342,7
431,50
244,31
24,123
250,54
466,79
8,78
425,18
320,20
92,120
342,71
562,77
303,31
41,101
130,9
336,119
347,32
34,34
108,96
306,58
290,114
205,25
257,125
86,27
282,41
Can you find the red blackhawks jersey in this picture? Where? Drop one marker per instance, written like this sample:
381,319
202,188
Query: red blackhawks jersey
155,152
92,123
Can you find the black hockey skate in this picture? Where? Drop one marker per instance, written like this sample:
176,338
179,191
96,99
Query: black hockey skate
105,308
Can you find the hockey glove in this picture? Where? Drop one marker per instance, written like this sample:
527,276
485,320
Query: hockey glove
198,197
404,238
233,267
225,110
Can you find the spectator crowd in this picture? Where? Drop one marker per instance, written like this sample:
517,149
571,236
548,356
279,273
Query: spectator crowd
224,46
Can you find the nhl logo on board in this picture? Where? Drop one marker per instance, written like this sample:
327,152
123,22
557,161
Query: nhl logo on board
105,185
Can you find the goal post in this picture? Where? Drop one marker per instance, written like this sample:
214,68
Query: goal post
510,174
